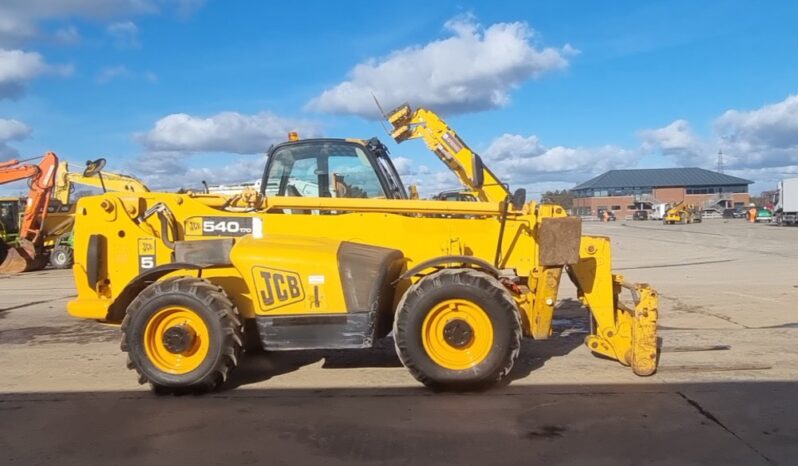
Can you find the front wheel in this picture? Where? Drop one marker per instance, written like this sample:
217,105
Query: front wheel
458,329
62,257
182,335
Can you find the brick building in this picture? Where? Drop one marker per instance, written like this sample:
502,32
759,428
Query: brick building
624,191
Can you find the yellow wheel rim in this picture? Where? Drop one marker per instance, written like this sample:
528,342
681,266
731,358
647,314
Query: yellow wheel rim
457,334
185,359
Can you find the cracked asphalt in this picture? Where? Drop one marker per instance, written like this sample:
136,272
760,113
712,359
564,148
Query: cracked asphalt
67,398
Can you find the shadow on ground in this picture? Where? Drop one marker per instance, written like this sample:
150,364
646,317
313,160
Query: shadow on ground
714,423
569,329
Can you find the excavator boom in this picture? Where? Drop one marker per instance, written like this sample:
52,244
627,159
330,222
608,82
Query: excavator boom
26,254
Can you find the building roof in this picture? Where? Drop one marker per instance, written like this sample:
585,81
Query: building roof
660,178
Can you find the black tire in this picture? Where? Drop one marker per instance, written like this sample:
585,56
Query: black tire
40,261
3,251
217,312
62,257
470,285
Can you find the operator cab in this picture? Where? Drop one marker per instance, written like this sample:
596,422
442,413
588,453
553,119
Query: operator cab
342,168
9,216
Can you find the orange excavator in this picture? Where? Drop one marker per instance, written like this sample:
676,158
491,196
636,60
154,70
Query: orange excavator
26,254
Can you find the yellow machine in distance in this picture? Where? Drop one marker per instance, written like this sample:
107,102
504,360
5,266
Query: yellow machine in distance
681,212
94,176
332,253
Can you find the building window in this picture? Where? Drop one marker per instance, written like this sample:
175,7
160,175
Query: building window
616,207
717,189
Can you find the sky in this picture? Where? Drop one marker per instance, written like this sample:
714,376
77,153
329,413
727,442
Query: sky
549,93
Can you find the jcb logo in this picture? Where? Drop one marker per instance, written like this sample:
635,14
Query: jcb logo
277,288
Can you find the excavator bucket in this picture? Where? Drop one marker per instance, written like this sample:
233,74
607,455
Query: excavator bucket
20,258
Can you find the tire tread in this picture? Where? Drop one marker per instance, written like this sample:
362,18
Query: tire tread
222,308
458,276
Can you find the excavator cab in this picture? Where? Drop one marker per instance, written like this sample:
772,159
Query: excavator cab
9,218
9,223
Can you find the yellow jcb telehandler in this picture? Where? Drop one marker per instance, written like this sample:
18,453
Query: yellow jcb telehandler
333,254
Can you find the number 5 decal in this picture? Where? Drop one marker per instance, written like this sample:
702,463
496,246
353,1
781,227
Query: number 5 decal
146,254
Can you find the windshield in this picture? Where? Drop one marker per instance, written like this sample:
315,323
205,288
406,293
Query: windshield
322,169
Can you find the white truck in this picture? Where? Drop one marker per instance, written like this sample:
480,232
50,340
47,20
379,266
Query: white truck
786,202
658,211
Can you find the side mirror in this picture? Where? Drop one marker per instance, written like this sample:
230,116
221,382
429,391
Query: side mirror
478,171
94,167
519,199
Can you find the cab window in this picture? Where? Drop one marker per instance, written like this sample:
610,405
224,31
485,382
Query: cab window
322,169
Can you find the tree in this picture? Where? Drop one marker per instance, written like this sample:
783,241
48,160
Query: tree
562,198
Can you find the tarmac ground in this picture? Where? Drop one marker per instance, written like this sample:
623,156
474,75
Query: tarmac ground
725,392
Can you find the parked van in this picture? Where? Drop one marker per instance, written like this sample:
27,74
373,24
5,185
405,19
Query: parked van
658,211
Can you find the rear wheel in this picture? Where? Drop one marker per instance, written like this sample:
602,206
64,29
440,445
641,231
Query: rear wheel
182,335
62,257
457,329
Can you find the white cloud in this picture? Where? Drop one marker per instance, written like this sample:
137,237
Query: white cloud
765,137
172,170
11,130
20,19
224,132
473,69
508,146
677,141
110,73
18,67
523,161
759,144
407,167
432,183
67,35
13,31
186,8
751,140
427,181
773,126
125,34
